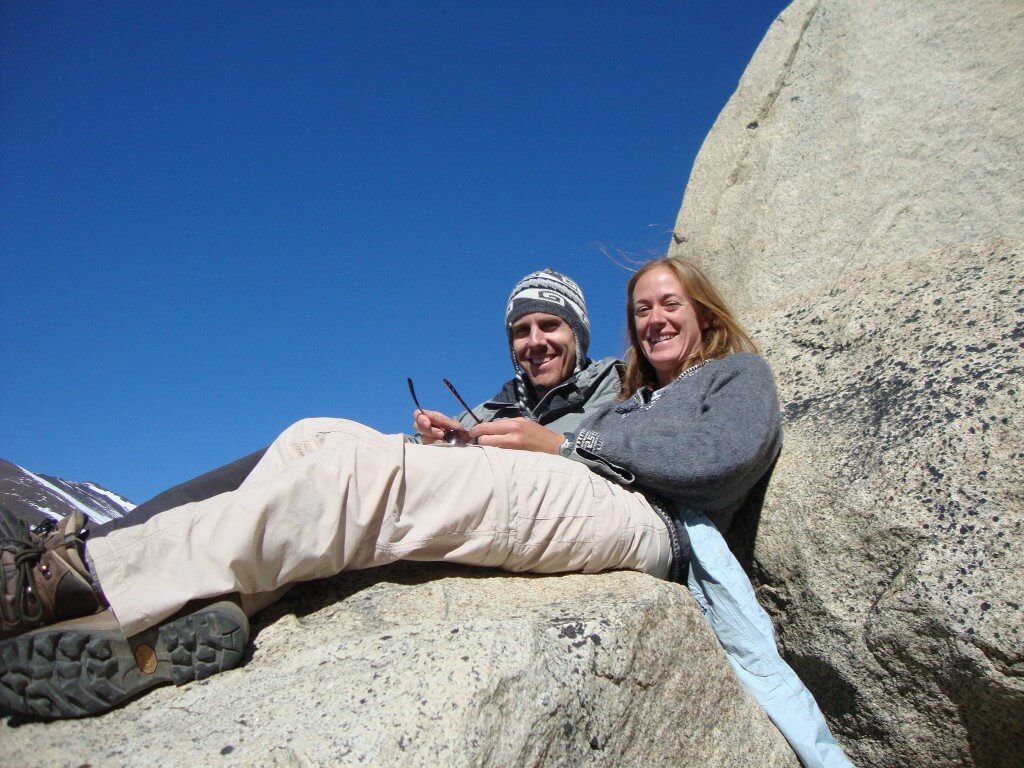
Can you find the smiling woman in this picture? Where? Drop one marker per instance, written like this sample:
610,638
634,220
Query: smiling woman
676,319
668,325
646,484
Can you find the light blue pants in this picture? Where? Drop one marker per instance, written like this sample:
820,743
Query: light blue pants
727,600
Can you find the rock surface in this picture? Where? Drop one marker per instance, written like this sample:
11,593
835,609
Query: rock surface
890,546
432,665
860,200
861,133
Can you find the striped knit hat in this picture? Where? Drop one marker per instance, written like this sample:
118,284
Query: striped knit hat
554,293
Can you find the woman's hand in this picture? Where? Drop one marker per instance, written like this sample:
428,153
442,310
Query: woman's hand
432,425
521,434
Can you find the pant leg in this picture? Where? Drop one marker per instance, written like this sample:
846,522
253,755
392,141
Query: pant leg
331,495
221,480
726,598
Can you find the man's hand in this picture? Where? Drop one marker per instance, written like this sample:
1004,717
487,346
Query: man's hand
521,434
432,425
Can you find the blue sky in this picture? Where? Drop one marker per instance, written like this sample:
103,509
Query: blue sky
218,218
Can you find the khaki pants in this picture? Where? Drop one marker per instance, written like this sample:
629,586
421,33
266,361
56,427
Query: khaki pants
332,495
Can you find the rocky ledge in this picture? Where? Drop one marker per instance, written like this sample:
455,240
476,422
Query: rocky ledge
419,665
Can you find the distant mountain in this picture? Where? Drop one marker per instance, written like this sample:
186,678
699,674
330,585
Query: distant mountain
35,498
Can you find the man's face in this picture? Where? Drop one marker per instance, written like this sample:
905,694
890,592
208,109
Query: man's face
545,348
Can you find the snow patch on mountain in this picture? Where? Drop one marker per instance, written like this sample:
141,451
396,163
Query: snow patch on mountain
36,497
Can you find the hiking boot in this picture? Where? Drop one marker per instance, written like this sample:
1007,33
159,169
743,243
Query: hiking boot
42,577
87,666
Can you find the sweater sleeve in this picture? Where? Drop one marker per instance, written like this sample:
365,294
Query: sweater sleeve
704,443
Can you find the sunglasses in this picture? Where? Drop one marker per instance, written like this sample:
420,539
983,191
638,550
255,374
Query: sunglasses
451,436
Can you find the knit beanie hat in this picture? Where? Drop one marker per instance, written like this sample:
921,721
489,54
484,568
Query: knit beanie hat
554,293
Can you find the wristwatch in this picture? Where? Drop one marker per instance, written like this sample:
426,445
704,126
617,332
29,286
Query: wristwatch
565,449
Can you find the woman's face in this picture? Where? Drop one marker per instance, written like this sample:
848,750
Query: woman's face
668,325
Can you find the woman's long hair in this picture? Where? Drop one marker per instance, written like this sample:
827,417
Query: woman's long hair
723,336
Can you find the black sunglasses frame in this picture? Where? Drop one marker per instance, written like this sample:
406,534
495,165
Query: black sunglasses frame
451,436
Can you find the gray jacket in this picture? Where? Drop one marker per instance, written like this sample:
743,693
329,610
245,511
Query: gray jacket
701,442
564,408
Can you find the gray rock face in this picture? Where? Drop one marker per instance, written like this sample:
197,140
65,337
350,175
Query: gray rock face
890,547
862,132
860,201
426,665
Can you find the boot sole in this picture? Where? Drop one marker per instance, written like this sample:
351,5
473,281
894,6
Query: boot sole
87,666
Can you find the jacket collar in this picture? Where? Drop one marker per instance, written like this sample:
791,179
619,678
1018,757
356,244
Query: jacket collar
571,393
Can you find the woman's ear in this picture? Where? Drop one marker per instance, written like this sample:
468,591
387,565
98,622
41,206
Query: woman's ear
702,317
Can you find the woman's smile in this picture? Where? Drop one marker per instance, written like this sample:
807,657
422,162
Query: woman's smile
669,327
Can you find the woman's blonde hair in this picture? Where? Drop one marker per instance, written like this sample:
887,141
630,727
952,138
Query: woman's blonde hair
723,335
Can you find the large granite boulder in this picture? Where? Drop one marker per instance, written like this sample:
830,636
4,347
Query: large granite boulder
891,546
861,133
418,665
861,199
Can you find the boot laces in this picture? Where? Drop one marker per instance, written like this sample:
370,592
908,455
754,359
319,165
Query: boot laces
27,546
20,604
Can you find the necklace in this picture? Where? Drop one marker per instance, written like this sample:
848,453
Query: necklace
654,395
693,369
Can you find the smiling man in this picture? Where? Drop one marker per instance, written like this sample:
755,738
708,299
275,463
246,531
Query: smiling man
555,384
544,346
555,387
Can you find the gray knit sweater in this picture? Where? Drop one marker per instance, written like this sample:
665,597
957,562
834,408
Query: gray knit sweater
701,443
